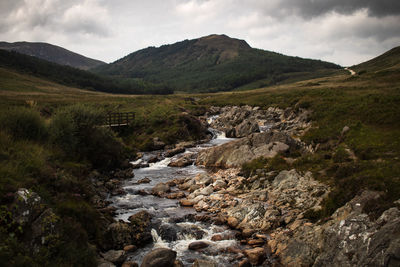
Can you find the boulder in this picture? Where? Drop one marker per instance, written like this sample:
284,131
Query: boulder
173,152
160,190
140,225
256,256
117,235
235,153
114,256
198,245
144,181
27,206
159,257
183,161
130,248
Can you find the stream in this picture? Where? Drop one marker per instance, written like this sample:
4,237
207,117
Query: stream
176,222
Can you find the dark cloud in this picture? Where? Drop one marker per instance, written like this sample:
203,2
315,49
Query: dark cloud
314,8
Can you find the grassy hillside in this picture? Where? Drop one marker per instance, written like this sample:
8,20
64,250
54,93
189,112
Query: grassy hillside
53,54
387,62
209,64
74,77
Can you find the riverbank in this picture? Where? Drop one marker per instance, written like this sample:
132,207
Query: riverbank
274,204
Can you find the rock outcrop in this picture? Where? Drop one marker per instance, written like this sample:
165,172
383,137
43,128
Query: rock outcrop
235,153
349,238
242,121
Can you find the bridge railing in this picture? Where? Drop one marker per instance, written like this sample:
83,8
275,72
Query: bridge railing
117,119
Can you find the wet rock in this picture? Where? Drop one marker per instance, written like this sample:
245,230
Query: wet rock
140,165
198,245
153,159
256,256
130,264
159,257
160,190
173,152
114,256
140,224
204,263
178,263
256,242
183,161
168,232
176,195
193,231
130,248
144,181
217,237
246,233
117,235
233,222
104,263
186,202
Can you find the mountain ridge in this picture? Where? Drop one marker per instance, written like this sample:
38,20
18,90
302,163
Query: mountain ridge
52,53
208,64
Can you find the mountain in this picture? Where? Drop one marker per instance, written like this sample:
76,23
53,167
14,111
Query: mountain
389,61
69,76
211,63
52,53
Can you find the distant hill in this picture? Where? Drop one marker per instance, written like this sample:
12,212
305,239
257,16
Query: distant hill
389,61
69,76
52,53
211,63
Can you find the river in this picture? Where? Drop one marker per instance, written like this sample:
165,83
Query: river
176,228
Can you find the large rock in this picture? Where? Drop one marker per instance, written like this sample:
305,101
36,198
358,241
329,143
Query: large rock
183,161
161,189
235,153
256,256
159,257
349,238
117,235
140,223
196,245
27,206
114,256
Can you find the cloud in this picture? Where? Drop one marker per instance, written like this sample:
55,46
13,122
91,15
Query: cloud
313,8
76,17
343,31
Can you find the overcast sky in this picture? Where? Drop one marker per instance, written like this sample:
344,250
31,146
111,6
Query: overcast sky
346,32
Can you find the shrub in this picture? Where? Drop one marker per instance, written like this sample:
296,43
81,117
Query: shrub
341,155
23,124
77,131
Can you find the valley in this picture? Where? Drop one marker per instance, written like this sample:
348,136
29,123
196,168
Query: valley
305,172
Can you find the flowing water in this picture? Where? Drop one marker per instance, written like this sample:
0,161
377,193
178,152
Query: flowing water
174,222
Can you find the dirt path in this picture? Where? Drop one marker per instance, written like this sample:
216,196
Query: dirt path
352,72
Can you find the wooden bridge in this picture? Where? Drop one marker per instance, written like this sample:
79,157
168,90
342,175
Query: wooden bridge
118,119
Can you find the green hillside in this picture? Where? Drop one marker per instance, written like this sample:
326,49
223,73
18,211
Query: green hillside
74,77
209,64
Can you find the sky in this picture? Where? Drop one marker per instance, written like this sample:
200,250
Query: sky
345,32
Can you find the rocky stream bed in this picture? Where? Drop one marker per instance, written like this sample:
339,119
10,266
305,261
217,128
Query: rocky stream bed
190,205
